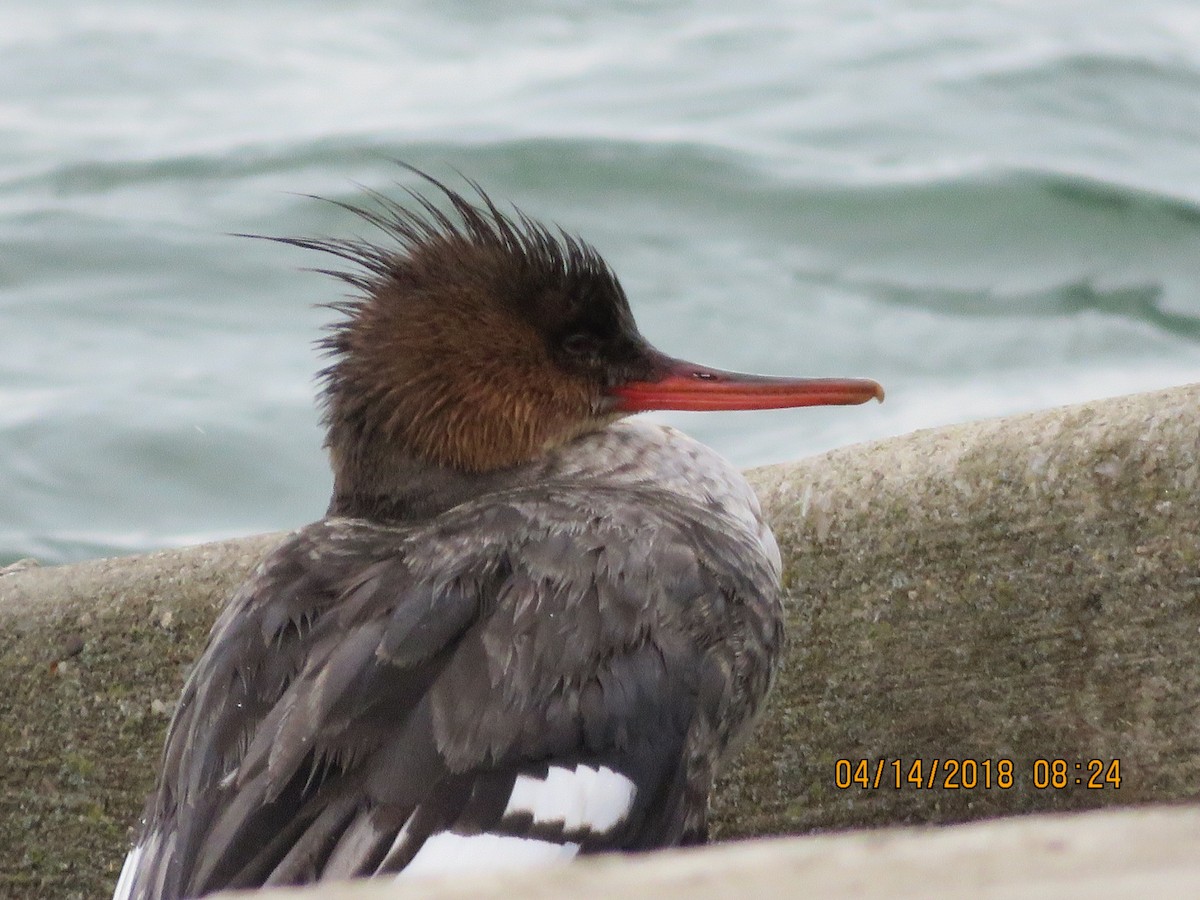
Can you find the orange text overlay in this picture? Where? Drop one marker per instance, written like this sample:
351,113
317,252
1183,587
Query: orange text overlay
954,774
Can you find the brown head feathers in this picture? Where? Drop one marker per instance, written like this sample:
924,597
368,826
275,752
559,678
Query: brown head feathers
476,341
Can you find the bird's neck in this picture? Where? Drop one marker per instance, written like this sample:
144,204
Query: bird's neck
389,486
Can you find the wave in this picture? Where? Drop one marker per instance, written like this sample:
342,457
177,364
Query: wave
707,175
989,242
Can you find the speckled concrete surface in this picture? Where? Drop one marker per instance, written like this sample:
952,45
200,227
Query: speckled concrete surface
1020,589
1091,856
1024,588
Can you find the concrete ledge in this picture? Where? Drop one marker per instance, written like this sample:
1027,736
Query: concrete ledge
1091,856
1021,589
1025,588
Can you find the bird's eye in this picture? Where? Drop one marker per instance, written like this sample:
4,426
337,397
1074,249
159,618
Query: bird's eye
580,345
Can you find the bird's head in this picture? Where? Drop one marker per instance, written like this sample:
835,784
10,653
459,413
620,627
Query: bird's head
479,339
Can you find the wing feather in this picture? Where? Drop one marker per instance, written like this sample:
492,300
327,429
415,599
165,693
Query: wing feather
371,688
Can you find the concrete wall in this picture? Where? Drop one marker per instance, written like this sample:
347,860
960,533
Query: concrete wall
1106,855
1021,589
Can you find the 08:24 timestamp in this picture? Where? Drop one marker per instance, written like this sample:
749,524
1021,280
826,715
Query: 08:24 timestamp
964,773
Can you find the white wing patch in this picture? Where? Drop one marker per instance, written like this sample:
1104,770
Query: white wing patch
583,798
125,882
449,853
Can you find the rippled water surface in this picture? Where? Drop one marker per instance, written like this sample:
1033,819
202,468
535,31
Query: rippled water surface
989,207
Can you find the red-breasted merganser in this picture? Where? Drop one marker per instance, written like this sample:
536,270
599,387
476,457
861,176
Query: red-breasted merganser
525,629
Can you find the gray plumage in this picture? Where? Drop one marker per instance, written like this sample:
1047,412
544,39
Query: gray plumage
613,608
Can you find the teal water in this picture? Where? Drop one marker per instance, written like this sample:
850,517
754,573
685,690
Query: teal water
988,207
